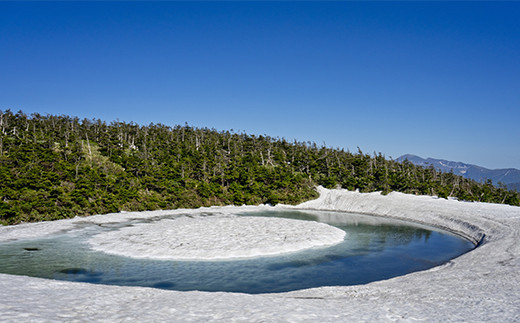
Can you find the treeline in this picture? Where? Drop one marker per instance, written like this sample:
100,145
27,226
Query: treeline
54,167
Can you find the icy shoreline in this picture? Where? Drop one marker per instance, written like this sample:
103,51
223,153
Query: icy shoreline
482,285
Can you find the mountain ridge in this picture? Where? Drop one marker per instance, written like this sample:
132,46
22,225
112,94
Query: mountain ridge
510,177
55,167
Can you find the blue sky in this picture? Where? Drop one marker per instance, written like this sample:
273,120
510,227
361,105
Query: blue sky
435,79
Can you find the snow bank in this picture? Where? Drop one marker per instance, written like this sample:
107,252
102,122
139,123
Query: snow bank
482,285
216,237
420,209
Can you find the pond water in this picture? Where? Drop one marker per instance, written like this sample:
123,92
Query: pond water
374,249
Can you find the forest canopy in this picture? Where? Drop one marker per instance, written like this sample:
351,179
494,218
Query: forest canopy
54,167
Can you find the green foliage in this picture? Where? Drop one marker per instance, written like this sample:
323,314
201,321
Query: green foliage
54,167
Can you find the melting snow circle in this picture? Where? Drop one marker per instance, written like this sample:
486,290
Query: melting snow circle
216,238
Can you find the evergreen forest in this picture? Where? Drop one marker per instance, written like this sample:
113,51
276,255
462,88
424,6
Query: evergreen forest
55,167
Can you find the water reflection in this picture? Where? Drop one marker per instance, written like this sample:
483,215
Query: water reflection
370,233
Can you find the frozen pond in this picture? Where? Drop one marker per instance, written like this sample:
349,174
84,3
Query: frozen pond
373,249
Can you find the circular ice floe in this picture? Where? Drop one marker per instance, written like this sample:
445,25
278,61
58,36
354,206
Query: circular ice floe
216,237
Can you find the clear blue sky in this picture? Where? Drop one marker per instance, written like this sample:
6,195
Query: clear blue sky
435,79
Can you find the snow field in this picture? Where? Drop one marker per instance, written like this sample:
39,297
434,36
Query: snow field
216,237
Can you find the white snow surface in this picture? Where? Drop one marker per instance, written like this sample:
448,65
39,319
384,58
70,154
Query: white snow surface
480,286
216,237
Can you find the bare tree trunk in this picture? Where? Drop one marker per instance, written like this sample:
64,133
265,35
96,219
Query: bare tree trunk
88,146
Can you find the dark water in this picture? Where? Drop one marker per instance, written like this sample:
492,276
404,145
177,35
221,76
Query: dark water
374,249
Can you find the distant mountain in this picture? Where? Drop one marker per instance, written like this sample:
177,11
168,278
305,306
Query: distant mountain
509,176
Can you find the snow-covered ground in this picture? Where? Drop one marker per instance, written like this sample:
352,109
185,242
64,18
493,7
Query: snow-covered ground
482,285
216,237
